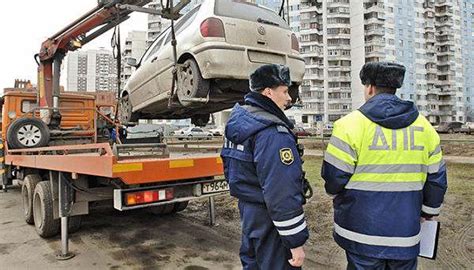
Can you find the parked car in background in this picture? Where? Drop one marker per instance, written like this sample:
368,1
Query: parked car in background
449,127
219,43
144,133
327,130
193,133
217,131
468,128
301,132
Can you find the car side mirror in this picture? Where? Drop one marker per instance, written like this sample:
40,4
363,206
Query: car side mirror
132,62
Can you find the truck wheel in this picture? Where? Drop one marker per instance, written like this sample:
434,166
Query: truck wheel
191,84
27,192
74,224
200,120
27,133
45,224
180,206
162,209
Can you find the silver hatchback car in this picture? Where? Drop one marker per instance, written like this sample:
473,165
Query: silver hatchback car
219,43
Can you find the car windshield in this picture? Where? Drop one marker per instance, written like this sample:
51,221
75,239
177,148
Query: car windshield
248,11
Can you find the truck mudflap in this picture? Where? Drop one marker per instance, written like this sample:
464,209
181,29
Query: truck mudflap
134,198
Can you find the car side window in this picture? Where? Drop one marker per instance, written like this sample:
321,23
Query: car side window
196,130
184,22
156,46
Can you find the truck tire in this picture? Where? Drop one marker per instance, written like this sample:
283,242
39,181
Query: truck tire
191,84
45,224
180,206
200,120
162,209
27,192
74,224
27,133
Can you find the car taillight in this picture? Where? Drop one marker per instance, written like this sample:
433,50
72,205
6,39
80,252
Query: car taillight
294,43
212,27
149,196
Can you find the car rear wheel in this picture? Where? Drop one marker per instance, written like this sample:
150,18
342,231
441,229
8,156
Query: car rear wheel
191,84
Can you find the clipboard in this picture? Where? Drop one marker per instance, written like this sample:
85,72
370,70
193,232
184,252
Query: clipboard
429,235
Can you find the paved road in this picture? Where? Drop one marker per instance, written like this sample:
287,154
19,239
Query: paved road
118,240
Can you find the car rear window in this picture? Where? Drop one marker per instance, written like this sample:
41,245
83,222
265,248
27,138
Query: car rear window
248,11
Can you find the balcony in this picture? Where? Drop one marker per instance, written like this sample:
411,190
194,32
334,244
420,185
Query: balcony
339,78
311,76
339,15
442,3
375,32
375,8
447,93
374,20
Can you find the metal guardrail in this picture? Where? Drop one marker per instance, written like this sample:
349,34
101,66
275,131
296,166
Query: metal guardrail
443,141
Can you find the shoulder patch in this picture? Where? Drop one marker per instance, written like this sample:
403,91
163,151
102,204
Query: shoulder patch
286,156
282,129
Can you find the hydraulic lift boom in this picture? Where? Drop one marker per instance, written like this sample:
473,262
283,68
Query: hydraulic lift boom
107,14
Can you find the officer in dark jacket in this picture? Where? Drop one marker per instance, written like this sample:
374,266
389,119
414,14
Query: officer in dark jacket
264,171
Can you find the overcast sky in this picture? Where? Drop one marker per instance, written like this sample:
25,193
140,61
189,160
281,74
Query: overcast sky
24,25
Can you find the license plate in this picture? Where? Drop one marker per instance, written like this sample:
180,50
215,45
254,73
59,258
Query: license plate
215,187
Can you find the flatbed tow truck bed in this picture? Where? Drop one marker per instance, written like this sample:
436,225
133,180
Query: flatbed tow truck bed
132,176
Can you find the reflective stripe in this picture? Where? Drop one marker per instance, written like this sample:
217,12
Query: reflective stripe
292,231
341,165
289,222
436,151
434,168
387,241
392,168
430,210
343,146
384,186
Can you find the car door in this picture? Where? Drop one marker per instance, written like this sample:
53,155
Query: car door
143,85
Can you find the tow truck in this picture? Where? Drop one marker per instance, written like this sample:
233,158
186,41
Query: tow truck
53,144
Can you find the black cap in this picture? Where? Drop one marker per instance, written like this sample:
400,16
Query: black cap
269,76
382,74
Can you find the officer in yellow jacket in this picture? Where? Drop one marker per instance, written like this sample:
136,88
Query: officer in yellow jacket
384,167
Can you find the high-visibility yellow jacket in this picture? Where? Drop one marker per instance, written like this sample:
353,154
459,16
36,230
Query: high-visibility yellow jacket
384,165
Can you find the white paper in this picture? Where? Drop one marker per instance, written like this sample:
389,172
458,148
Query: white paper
428,238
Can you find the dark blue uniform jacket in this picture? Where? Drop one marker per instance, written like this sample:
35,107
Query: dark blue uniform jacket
262,165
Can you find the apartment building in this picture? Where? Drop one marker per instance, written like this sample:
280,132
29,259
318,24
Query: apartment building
430,37
467,33
91,71
135,46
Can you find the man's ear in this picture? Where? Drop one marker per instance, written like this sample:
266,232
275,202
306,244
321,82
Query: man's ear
372,90
266,91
